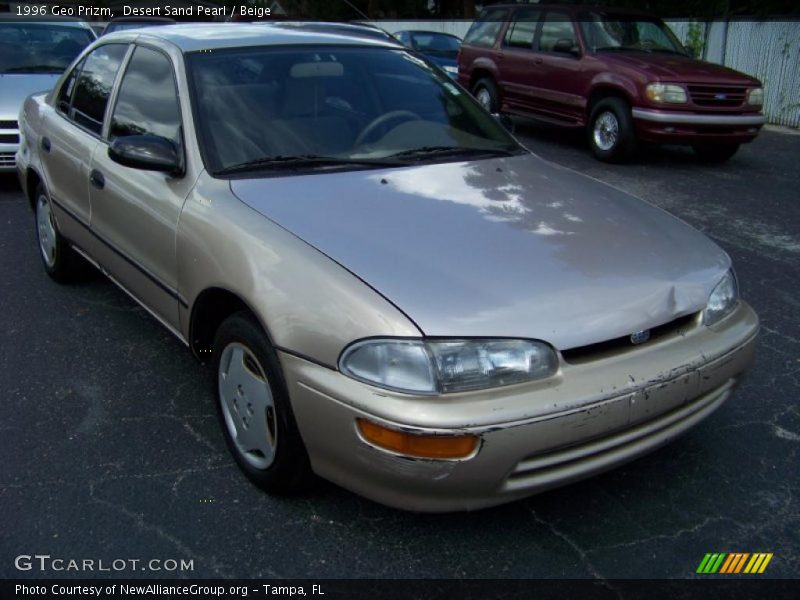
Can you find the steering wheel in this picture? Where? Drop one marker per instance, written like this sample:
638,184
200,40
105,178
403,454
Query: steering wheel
405,115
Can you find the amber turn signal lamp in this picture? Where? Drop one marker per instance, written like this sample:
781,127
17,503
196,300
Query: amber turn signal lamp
417,445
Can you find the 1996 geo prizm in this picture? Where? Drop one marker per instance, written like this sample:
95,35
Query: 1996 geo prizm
394,293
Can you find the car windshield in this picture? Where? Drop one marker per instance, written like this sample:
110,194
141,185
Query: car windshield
605,33
40,47
334,107
437,44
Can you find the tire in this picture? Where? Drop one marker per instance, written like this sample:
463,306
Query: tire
611,133
715,153
254,410
485,92
60,261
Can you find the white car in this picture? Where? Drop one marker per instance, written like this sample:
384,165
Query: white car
33,55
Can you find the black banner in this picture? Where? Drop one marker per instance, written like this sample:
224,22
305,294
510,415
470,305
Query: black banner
730,588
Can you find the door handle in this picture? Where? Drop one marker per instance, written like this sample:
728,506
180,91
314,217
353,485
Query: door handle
46,144
537,60
97,179
499,55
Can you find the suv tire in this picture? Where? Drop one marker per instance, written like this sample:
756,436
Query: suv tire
611,133
485,91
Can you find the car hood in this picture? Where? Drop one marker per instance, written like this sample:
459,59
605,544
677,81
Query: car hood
15,87
511,247
671,67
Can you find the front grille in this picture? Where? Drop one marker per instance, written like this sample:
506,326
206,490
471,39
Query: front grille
9,125
11,138
583,354
7,159
718,95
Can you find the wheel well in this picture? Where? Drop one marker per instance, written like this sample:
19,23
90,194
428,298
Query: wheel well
211,308
32,181
477,75
601,94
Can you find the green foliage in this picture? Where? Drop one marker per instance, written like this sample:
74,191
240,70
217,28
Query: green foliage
695,39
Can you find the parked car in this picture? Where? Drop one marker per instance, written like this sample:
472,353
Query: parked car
623,76
393,293
33,55
441,48
125,23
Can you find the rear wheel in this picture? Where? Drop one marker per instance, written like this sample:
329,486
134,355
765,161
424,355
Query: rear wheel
254,409
715,152
58,259
611,133
485,91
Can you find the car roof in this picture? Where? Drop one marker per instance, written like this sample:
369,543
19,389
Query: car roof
192,37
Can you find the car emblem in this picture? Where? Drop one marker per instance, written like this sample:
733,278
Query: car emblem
720,96
640,337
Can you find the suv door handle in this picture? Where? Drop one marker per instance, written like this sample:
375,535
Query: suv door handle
96,179
538,60
499,55
46,144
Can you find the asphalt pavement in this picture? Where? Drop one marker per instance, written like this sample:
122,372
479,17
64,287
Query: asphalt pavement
111,450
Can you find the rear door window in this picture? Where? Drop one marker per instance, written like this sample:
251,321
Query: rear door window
95,82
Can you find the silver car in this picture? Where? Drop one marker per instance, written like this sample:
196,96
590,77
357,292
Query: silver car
393,293
33,55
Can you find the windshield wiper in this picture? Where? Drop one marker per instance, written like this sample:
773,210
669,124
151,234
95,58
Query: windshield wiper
34,69
426,151
303,161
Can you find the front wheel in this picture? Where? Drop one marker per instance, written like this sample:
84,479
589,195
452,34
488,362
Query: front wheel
611,133
715,153
254,409
485,92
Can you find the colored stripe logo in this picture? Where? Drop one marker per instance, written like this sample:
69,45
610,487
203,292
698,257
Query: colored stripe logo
734,562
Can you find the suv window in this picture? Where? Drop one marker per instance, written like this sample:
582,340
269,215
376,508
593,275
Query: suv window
556,26
94,86
521,31
484,30
147,102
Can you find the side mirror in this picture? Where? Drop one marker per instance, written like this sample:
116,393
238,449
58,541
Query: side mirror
146,152
505,121
566,46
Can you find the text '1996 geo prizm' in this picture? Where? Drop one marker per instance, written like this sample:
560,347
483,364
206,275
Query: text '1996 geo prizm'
394,294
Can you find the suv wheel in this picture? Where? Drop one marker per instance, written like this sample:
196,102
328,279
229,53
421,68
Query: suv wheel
611,134
485,91
715,152
254,409
58,259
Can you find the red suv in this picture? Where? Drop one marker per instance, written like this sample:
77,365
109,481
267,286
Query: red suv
622,75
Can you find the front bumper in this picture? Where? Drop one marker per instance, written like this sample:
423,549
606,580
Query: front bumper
589,418
679,127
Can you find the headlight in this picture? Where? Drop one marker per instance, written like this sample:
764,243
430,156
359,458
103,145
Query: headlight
755,97
722,300
433,367
665,93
